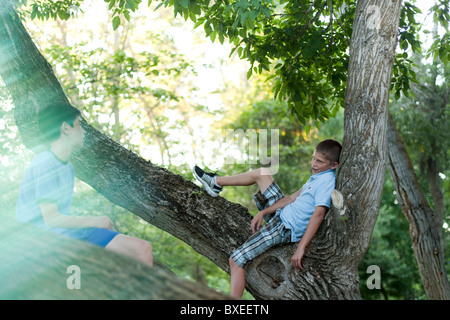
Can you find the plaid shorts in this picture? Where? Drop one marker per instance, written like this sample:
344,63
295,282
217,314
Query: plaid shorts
271,234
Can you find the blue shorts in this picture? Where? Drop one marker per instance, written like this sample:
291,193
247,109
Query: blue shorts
273,233
98,236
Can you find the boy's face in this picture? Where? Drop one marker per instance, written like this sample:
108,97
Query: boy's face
320,163
76,133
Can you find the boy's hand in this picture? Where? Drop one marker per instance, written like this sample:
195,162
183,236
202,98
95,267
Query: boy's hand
296,259
104,222
256,222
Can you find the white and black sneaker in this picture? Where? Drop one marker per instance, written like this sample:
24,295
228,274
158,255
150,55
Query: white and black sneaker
208,180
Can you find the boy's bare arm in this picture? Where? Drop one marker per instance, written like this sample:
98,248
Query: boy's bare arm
54,219
256,222
311,229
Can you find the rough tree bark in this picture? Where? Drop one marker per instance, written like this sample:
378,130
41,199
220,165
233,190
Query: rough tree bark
35,265
213,226
425,232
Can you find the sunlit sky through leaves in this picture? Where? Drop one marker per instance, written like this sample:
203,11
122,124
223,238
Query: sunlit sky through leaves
214,70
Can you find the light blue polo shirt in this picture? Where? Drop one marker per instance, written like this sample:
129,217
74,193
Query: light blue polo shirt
47,179
315,192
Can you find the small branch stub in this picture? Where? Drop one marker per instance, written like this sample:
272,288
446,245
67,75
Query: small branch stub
338,201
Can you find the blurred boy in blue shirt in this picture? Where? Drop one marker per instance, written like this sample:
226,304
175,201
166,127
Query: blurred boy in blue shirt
46,191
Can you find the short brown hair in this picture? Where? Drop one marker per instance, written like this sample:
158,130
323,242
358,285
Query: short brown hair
52,116
330,148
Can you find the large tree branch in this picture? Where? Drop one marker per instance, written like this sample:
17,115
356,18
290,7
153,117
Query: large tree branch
35,264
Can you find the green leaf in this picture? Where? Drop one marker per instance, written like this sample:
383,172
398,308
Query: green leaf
213,36
240,52
307,129
184,3
249,73
116,22
256,3
126,13
265,11
131,5
195,8
34,12
159,5
199,23
243,17
241,4
111,4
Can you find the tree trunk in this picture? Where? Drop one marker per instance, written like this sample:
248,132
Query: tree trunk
213,226
345,235
423,228
362,168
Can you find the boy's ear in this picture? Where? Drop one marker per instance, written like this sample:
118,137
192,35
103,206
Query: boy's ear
335,165
64,127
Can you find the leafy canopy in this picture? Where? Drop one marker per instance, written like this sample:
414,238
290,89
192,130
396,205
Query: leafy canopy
301,44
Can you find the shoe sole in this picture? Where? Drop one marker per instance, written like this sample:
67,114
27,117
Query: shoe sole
207,187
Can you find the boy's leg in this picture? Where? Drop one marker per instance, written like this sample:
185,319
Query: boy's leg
237,284
213,183
271,234
259,176
133,247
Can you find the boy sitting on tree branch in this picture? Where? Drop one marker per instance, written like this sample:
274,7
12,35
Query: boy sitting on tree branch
293,218
46,191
